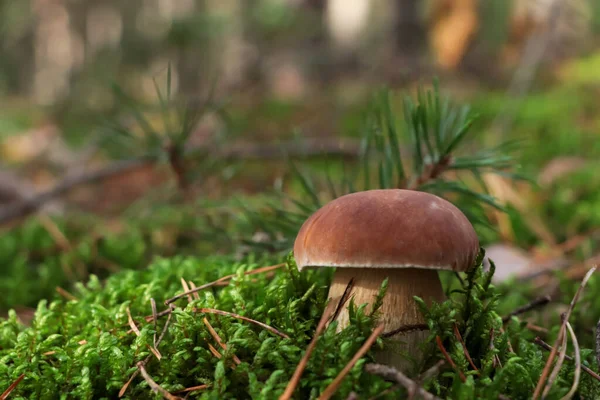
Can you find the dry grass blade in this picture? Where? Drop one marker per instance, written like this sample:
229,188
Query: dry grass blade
557,366
186,289
221,280
561,333
194,287
132,323
392,374
449,359
585,369
460,339
155,386
12,387
577,373
289,390
333,386
216,336
252,321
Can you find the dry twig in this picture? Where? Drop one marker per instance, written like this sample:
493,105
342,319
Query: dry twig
539,302
392,374
333,386
24,207
547,347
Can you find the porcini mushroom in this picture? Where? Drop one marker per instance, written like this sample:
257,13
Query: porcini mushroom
403,235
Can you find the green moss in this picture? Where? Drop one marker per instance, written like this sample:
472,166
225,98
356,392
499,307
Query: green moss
82,348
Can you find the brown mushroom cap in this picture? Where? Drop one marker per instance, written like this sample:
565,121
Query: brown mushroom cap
388,228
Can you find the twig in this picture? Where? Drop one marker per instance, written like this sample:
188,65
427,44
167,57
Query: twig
405,329
216,336
464,346
221,280
539,302
343,299
153,385
289,390
315,147
547,347
252,321
430,172
392,374
12,387
561,333
577,373
433,371
32,204
333,386
449,359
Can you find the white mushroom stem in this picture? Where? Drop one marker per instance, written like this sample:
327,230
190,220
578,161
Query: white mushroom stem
399,310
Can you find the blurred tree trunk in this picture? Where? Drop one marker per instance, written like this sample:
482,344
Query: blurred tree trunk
410,30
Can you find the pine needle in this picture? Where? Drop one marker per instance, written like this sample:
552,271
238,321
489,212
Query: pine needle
252,321
222,280
289,390
12,387
155,386
333,386
449,359
216,336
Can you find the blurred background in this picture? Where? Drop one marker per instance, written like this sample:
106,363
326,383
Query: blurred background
105,104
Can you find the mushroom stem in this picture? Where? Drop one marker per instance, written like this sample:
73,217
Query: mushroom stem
399,310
